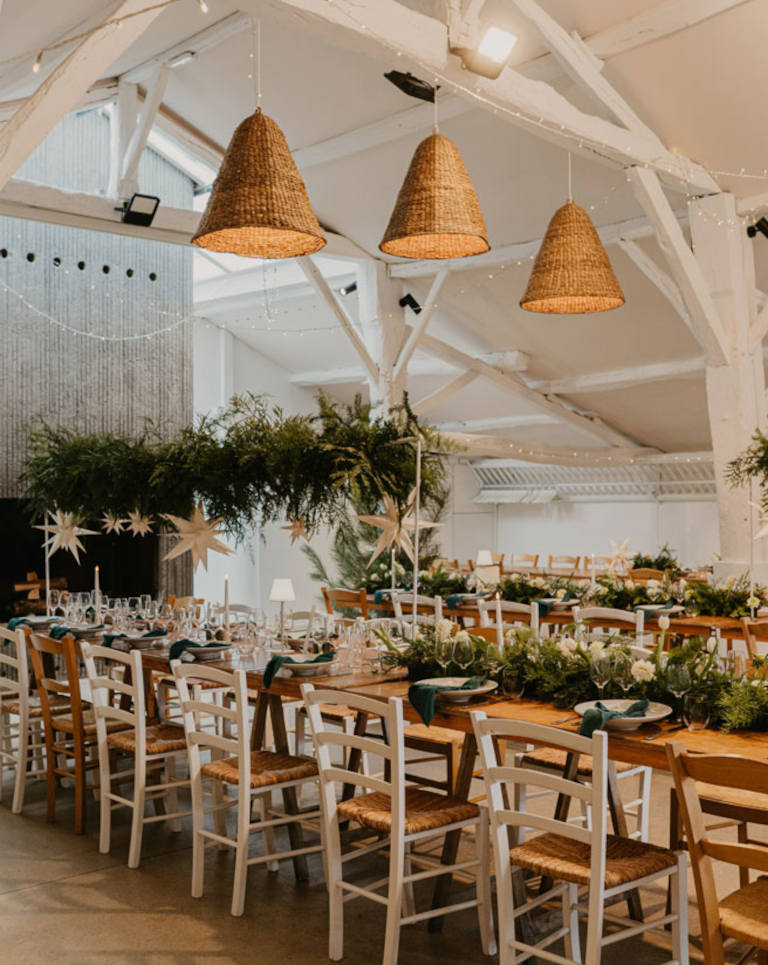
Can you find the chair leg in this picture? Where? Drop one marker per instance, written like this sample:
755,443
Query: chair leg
264,805
50,794
22,760
198,841
644,817
409,899
137,822
172,795
595,925
105,804
743,838
335,897
241,852
679,894
571,921
483,884
5,738
220,813
394,899
80,788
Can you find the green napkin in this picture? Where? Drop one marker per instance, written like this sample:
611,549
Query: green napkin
596,717
59,631
109,638
15,622
180,646
651,608
422,696
275,663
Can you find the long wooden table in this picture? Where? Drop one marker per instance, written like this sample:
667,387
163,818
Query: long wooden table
632,747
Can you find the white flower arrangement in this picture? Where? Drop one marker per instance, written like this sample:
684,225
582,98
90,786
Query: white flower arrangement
538,581
753,602
643,671
629,584
664,622
560,594
444,629
596,649
515,577
567,646
461,636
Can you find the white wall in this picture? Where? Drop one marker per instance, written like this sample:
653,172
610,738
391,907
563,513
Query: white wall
223,367
577,528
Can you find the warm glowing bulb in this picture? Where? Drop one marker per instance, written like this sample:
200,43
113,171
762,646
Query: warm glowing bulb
37,63
496,44
203,5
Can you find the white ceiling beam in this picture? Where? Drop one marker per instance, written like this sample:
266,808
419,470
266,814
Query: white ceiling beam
434,399
623,378
102,92
752,205
61,90
321,286
581,65
415,335
683,265
497,422
122,123
129,174
39,202
196,44
759,327
350,375
512,383
385,26
665,284
482,445
506,255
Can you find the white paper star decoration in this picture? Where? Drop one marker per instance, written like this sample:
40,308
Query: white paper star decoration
139,524
197,535
63,534
394,529
619,561
297,528
112,524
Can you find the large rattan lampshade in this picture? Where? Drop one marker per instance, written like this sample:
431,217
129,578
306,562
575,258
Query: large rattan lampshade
259,206
572,273
437,214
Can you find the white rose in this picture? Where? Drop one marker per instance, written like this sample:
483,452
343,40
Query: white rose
643,671
515,577
538,581
629,585
461,637
560,595
711,643
664,622
569,643
444,629
564,648
596,649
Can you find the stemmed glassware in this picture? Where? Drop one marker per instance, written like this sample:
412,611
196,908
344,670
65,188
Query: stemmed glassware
678,683
463,652
622,672
600,672
444,652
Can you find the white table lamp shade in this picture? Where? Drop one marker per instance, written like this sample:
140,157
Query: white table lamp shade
484,558
282,591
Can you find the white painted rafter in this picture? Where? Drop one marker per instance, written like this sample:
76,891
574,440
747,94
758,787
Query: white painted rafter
63,88
497,422
703,312
129,181
321,286
415,335
477,444
434,399
625,378
665,284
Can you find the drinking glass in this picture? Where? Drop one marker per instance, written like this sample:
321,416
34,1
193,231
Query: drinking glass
54,599
696,711
622,672
512,682
444,653
600,672
145,602
133,604
678,683
463,652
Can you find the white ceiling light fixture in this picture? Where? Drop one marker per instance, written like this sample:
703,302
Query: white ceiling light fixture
180,59
497,45
487,56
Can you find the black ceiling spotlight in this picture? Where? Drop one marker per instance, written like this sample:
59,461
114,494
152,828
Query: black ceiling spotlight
412,86
140,210
761,226
348,289
408,301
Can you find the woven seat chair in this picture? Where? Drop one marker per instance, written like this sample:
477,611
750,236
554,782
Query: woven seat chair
570,856
404,815
21,717
70,738
743,914
117,690
253,774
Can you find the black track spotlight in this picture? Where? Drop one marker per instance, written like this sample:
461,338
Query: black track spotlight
761,226
348,289
140,210
408,301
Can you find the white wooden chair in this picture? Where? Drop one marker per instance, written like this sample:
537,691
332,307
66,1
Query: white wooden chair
21,724
516,612
254,774
429,609
603,616
571,856
154,750
401,815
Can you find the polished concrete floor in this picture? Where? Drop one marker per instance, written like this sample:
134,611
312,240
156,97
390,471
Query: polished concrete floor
63,903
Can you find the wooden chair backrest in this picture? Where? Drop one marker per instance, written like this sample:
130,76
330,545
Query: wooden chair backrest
563,562
524,559
722,770
755,631
14,670
488,574
342,599
427,605
66,650
527,613
444,562
117,690
646,573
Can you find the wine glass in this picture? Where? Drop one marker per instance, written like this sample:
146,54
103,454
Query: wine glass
444,653
696,711
54,600
678,683
145,602
463,652
600,672
622,672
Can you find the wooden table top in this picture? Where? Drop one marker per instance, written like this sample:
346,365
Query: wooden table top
631,747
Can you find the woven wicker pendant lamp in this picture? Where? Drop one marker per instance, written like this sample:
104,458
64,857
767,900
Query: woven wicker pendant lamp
437,214
572,274
259,206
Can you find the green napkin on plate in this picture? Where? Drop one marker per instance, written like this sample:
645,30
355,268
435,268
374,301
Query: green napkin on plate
596,717
180,646
422,696
275,663
109,638
59,630
15,622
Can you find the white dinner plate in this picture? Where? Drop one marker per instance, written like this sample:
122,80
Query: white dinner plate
459,696
203,653
655,713
308,668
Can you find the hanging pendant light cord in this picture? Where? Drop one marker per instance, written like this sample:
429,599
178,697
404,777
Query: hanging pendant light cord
255,74
570,179
435,127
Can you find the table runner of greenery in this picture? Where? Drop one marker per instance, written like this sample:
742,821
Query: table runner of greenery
558,670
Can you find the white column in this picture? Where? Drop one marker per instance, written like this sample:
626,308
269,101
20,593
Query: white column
381,316
735,391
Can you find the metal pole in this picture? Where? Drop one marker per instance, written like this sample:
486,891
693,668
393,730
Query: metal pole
416,510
